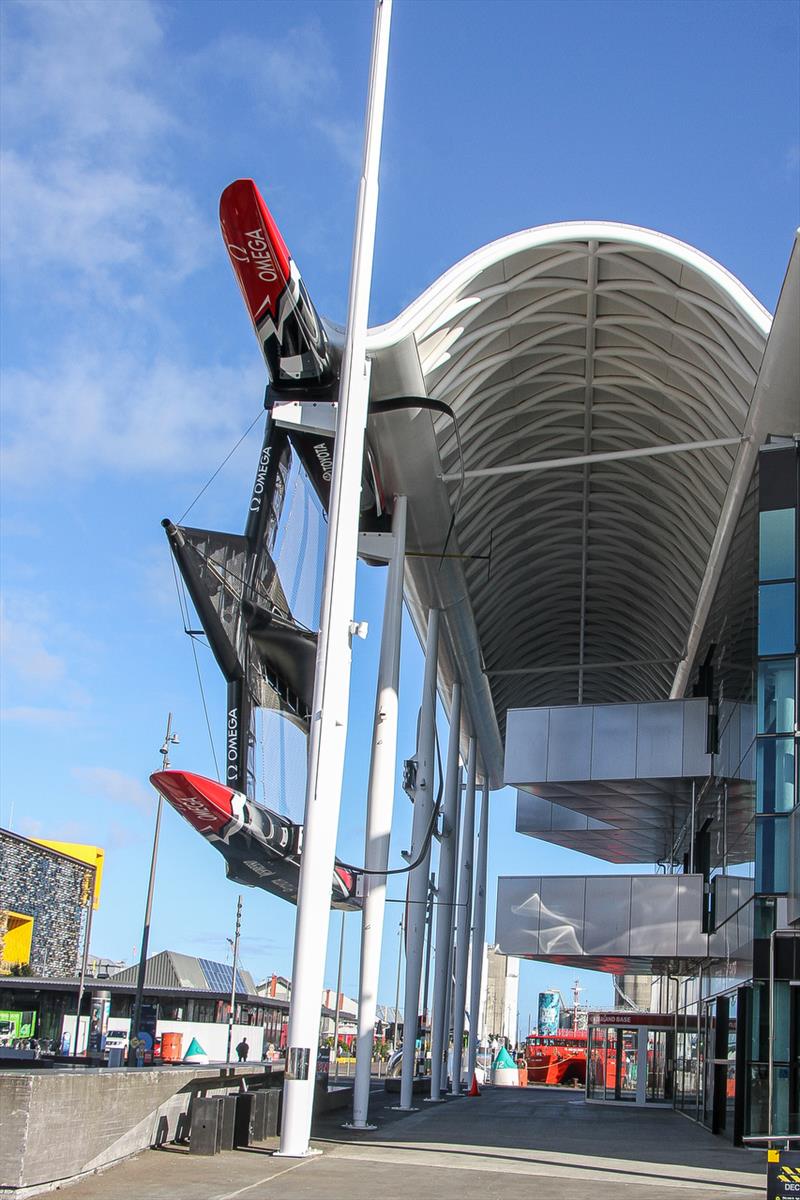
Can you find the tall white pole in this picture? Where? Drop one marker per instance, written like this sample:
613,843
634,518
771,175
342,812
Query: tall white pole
448,1002
424,797
478,933
464,917
448,856
380,802
328,732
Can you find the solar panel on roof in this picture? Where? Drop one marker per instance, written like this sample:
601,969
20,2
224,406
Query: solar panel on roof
219,976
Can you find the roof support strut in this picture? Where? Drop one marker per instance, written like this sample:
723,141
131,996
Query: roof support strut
577,460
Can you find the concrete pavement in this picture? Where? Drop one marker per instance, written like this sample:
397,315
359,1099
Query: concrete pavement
538,1144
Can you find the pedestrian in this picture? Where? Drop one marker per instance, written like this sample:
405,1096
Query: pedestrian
243,1050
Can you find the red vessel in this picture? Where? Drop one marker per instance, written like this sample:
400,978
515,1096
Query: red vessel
557,1057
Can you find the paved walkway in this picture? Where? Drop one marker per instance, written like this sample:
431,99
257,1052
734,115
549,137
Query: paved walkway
537,1144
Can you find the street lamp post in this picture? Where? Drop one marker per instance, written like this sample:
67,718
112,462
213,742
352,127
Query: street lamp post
170,739
235,945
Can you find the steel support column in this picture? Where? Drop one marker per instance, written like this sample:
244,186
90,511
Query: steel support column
328,730
478,932
464,917
380,803
421,839
448,856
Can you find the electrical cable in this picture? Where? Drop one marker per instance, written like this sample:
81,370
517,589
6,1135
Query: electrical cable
221,465
399,403
183,605
428,834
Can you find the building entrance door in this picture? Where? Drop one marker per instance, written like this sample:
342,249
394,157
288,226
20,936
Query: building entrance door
627,1075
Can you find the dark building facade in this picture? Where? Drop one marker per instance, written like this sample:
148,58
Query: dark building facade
53,890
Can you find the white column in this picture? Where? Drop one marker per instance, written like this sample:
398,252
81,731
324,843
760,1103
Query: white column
448,1001
380,802
328,731
478,933
464,917
424,798
445,907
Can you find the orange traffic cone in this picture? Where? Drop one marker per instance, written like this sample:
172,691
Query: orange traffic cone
474,1090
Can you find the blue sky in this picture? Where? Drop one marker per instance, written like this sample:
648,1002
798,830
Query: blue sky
129,367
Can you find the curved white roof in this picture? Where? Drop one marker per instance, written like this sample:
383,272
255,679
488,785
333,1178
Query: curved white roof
578,340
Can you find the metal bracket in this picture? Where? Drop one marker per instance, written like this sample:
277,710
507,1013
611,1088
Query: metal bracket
307,416
378,547
410,777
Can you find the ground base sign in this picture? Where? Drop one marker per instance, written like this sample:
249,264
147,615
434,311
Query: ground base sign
783,1174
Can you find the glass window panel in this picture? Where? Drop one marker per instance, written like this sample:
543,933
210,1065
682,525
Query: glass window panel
776,696
772,854
776,618
775,780
776,544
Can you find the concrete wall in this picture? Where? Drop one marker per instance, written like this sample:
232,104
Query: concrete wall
58,1125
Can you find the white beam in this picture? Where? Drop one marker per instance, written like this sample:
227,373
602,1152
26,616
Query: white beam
418,879
328,732
464,917
445,907
380,802
577,460
478,933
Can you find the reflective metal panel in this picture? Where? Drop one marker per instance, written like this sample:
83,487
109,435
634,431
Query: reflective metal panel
614,741
659,742
607,919
526,744
654,915
696,759
691,939
561,916
570,743
517,923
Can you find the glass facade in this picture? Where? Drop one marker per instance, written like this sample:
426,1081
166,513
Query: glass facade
747,843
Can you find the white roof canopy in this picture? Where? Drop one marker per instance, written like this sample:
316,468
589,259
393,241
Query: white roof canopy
602,376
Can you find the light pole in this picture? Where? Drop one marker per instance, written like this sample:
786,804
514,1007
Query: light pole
397,989
235,945
170,739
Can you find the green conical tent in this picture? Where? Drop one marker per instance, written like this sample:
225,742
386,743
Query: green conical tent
195,1053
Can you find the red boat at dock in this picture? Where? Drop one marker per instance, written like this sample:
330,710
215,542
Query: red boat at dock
557,1058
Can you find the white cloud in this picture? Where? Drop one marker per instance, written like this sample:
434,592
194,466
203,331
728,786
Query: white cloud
108,231
29,714
117,413
23,649
115,787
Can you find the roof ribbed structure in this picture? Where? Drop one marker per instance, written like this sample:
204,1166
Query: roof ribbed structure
579,341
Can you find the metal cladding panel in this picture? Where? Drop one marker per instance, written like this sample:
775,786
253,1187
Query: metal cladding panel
562,914
534,814
696,759
614,741
608,915
526,744
654,915
691,939
569,743
659,741
747,742
517,921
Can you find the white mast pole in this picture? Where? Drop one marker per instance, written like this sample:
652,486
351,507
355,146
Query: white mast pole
478,933
448,851
419,878
380,803
464,917
328,732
